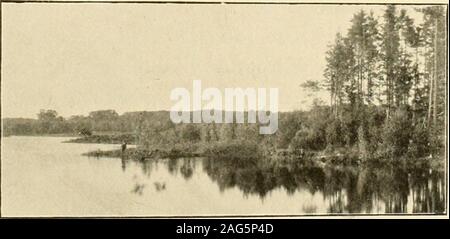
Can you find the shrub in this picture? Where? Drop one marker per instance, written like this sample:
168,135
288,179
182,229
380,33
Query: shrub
289,124
419,144
236,150
305,138
334,133
190,133
396,134
85,132
349,129
364,148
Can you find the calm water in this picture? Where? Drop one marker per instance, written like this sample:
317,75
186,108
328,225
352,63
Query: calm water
43,177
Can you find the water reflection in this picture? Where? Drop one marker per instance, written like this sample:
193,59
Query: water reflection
37,175
138,188
372,189
160,186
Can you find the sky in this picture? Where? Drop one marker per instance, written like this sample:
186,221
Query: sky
77,58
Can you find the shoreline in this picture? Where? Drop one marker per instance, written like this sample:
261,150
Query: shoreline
435,163
245,151
105,139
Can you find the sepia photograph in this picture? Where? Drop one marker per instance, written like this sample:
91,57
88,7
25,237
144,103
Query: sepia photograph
162,109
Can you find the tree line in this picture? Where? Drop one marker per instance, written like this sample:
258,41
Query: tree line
49,122
388,77
391,62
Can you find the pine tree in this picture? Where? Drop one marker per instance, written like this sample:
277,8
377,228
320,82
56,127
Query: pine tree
390,54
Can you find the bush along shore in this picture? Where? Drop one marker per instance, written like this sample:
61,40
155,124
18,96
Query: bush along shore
105,139
241,152
141,154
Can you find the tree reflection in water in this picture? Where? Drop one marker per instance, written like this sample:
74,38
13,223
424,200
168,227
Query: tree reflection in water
369,189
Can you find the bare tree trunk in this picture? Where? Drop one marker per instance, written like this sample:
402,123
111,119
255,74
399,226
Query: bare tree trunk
387,100
415,85
331,101
436,75
430,99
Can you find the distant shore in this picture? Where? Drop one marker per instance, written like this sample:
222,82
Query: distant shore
68,135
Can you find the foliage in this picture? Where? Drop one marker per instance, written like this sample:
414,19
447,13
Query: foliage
396,134
420,143
234,151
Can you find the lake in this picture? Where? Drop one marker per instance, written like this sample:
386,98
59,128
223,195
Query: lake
41,176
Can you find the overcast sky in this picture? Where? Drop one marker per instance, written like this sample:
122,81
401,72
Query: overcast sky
77,58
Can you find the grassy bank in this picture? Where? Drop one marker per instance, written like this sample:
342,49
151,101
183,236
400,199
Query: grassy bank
139,154
105,139
42,135
244,153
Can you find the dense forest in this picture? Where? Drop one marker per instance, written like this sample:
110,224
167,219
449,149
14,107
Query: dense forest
387,82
